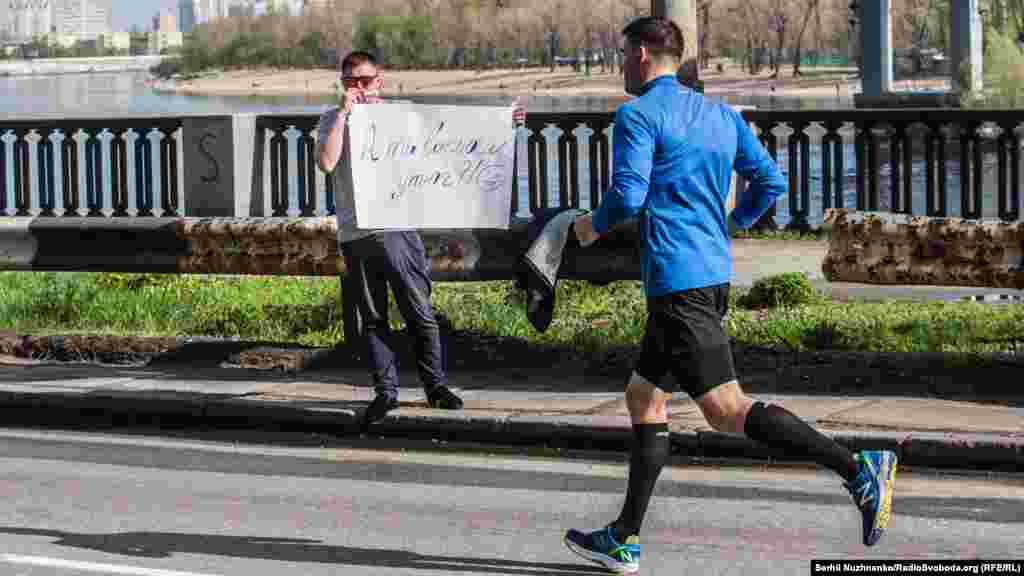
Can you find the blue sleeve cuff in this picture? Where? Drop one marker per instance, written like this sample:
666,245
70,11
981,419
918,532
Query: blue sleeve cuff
740,220
600,220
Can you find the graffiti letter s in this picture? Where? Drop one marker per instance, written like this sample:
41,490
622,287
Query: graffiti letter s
209,137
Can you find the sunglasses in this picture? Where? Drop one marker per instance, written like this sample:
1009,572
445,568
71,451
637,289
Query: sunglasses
358,80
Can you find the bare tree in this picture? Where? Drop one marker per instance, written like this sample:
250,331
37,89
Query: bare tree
551,16
637,8
915,21
455,20
588,36
810,8
561,26
572,32
745,20
609,21
779,21
704,32
1014,13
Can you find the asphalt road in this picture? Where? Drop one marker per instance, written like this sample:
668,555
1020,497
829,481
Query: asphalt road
85,504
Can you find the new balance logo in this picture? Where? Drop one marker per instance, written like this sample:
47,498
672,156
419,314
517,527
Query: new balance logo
662,434
868,496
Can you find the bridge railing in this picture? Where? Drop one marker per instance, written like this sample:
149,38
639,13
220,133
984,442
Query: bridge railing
90,167
931,162
562,160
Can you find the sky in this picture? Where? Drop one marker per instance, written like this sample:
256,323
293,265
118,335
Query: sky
128,13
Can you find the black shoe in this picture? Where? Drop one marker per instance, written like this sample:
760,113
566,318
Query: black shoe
377,409
443,398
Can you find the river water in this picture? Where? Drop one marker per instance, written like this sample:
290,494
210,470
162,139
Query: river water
125,95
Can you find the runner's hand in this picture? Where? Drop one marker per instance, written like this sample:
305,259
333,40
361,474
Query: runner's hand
584,227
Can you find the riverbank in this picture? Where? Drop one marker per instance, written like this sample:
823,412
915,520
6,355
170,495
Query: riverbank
564,81
59,66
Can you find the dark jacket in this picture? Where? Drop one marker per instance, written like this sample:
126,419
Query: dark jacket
549,232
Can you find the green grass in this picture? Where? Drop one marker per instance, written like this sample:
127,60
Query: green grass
591,318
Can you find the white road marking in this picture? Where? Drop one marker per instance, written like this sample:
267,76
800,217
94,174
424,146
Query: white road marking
93,567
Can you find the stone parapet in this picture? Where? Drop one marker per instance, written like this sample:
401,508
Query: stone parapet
884,248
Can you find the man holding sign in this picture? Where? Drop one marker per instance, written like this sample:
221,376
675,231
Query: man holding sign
674,154
376,259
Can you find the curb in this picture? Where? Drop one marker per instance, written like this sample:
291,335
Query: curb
992,452
762,369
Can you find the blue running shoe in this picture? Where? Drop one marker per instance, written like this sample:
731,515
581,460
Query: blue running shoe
872,491
600,546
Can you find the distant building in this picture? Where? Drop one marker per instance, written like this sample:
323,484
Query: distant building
167,23
188,15
5,9
27,19
87,19
218,9
240,8
192,13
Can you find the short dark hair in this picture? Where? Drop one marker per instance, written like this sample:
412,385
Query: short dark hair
660,36
356,58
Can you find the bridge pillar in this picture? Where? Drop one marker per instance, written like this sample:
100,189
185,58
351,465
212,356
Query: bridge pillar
965,46
684,14
218,155
876,47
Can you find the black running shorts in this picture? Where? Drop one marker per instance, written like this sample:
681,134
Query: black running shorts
684,336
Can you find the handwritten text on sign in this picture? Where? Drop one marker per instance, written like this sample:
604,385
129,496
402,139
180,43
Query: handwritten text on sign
424,166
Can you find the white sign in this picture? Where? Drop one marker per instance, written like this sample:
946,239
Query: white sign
424,166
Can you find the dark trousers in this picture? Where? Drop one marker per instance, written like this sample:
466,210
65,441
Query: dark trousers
398,260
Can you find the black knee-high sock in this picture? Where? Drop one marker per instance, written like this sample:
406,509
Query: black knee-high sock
650,451
777,427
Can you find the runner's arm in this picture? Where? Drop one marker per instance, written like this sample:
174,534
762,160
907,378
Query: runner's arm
632,162
758,167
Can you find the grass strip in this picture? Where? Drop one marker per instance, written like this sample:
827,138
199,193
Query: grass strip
591,318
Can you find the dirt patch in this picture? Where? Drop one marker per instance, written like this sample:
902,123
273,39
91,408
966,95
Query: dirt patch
102,349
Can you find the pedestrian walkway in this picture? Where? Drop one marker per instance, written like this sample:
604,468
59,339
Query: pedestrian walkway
561,410
979,424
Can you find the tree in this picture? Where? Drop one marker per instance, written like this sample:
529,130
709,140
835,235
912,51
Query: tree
745,20
607,28
481,32
337,24
914,30
779,19
455,21
1014,13
811,8
704,32
551,16
637,8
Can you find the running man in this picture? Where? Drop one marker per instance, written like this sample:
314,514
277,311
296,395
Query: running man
674,153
